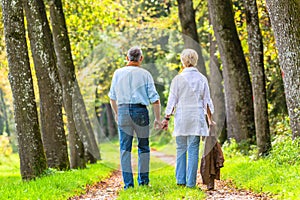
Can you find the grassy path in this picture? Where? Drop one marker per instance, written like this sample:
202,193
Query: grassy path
106,189
163,186
223,189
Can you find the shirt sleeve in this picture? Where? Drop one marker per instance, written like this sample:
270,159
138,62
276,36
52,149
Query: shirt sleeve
207,102
173,97
112,92
151,90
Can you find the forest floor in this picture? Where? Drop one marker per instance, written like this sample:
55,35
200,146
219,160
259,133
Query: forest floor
224,190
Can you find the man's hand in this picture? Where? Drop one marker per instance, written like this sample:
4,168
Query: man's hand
114,107
157,124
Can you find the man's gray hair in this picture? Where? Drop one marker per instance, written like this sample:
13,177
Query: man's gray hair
134,54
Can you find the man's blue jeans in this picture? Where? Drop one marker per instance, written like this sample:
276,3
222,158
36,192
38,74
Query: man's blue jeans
134,118
187,175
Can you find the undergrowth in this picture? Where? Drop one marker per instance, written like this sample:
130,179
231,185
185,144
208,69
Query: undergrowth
277,174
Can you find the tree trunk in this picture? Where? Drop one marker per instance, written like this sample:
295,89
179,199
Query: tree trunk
255,43
4,112
41,44
103,122
238,92
110,121
84,126
285,17
31,152
67,76
1,113
217,94
99,111
189,30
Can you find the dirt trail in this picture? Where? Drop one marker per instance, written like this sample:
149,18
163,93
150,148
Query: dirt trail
224,190
103,190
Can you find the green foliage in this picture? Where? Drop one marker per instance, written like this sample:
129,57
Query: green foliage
163,186
285,151
280,125
5,147
277,174
263,176
233,148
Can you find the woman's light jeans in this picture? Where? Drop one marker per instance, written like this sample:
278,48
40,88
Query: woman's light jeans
186,170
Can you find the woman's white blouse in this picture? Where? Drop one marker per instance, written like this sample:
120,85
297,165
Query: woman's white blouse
189,96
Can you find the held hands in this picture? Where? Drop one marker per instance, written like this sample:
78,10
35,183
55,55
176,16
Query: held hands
157,124
163,125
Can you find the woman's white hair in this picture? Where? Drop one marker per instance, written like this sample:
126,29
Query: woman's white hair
189,57
134,53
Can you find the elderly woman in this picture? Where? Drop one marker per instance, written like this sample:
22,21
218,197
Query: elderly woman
189,99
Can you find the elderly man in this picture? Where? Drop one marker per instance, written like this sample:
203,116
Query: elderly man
132,89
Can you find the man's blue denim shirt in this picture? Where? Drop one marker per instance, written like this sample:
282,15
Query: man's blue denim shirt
133,85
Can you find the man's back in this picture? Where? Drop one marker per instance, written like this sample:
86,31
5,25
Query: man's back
133,85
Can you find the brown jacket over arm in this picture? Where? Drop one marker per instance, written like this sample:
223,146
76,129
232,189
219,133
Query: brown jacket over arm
212,159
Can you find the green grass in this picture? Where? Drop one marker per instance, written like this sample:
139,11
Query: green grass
62,185
58,185
263,175
163,185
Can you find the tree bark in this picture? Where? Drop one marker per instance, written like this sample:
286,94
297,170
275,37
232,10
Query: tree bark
285,17
238,92
41,44
67,75
5,116
31,152
110,121
217,94
256,50
4,125
189,31
2,118
84,126
103,122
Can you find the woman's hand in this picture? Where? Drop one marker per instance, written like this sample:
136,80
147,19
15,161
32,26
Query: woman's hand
165,124
212,123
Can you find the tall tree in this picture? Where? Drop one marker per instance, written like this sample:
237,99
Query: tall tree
2,117
84,126
238,91
285,17
189,30
256,50
4,110
41,44
217,88
67,75
112,130
31,152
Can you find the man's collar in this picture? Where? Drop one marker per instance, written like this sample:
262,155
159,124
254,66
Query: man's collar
133,63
